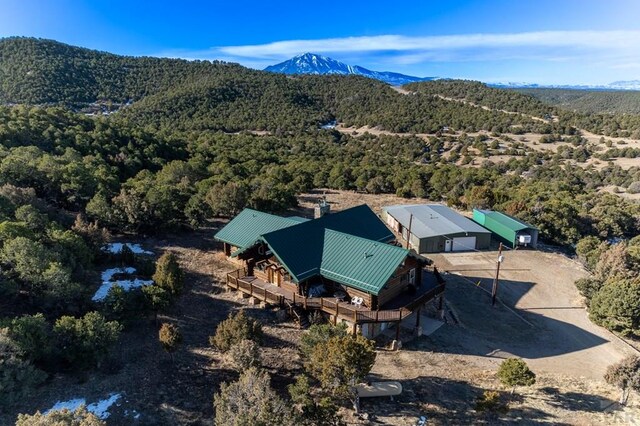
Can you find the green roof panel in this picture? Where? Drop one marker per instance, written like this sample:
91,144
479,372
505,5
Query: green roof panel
360,221
505,220
360,263
246,228
299,248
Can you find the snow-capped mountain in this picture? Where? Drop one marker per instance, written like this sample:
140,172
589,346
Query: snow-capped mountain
625,85
310,63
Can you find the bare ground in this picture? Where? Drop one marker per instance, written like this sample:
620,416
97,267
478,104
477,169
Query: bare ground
616,190
340,200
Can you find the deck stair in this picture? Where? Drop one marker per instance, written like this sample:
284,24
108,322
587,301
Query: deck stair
300,316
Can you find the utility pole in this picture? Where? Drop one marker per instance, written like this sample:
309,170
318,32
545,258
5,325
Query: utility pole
409,231
494,290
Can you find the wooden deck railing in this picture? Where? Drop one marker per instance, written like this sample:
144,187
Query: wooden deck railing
328,305
235,281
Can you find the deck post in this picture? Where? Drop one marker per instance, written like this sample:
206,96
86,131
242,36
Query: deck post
250,288
377,311
398,331
335,318
418,318
294,297
354,329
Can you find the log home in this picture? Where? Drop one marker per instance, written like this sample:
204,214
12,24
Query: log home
345,264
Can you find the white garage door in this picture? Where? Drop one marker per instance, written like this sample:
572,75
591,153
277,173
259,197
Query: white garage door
464,243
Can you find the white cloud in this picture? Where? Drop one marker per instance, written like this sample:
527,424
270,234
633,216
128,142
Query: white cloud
397,43
608,49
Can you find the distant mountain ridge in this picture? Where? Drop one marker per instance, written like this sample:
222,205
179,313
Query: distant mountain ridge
311,63
616,85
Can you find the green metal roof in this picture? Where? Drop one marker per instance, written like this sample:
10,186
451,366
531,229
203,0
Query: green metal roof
357,262
354,261
510,222
360,221
348,247
299,250
335,246
247,227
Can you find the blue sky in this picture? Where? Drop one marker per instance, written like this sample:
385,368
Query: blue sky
544,41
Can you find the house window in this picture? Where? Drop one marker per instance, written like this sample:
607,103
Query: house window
412,276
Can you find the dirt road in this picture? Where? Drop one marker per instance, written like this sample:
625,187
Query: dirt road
543,320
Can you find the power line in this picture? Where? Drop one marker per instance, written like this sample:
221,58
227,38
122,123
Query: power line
477,285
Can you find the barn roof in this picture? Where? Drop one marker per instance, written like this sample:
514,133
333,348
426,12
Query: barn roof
431,220
508,221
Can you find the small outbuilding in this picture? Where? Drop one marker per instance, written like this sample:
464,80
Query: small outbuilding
433,228
507,229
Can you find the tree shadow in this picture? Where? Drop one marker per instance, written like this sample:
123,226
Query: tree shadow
577,401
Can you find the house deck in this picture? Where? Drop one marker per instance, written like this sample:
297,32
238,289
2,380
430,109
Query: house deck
395,310
428,288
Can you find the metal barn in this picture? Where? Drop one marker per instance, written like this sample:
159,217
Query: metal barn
436,228
507,229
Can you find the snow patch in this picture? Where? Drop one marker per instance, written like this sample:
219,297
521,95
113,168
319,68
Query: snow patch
70,405
99,408
116,248
330,125
108,282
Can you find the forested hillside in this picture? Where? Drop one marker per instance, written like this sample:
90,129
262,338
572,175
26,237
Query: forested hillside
589,101
162,161
480,94
193,95
36,71
606,113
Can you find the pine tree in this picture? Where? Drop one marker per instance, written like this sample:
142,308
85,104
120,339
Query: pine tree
515,372
170,338
168,274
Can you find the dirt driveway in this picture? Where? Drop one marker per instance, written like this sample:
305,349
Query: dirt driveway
543,319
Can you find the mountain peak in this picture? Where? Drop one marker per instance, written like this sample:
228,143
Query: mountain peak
309,55
313,63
